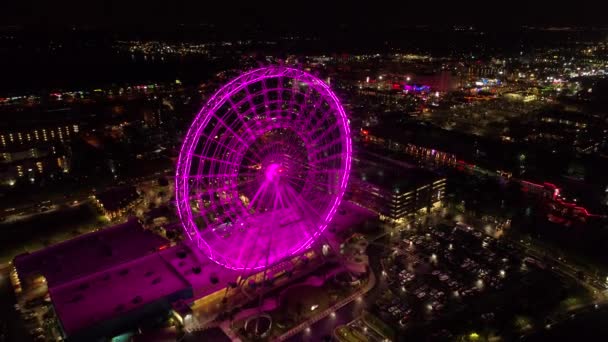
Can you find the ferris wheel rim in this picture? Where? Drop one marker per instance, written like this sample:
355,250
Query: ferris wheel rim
206,114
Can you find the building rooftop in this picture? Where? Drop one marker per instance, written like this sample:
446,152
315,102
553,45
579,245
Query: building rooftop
391,174
485,151
89,253
204,275
125,287
116,198
158,278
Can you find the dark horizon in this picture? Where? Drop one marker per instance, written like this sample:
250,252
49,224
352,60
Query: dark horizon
309,16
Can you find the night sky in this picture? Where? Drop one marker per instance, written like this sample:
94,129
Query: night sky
301,15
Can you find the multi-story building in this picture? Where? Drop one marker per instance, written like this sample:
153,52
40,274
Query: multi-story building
115,202
395,190
27,153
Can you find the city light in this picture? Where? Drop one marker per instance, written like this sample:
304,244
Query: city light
261,211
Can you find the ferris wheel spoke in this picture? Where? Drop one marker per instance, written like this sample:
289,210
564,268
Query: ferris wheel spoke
245,124
214,160
252,106
247,175
243,252
327,147
299,202
326,131
316,105
235,135
273,220
232,186
327,159
288,197
308,181
267,117
323,171
326,115
260,191
226,147
205,176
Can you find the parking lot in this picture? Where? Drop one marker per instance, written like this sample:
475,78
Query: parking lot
458,281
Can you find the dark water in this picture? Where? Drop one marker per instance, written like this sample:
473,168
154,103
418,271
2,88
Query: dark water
29,70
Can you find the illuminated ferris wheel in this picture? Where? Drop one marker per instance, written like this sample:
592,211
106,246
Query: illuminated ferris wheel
263,167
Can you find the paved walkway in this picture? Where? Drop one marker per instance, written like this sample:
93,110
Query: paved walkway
225,326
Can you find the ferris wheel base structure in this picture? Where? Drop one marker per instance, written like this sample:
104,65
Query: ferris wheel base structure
263,168
268,230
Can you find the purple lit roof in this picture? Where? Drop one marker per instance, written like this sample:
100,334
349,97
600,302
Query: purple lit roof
263,167
89,253
111,293
200,282
123,288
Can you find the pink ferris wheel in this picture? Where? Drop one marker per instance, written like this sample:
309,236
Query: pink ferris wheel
263,167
